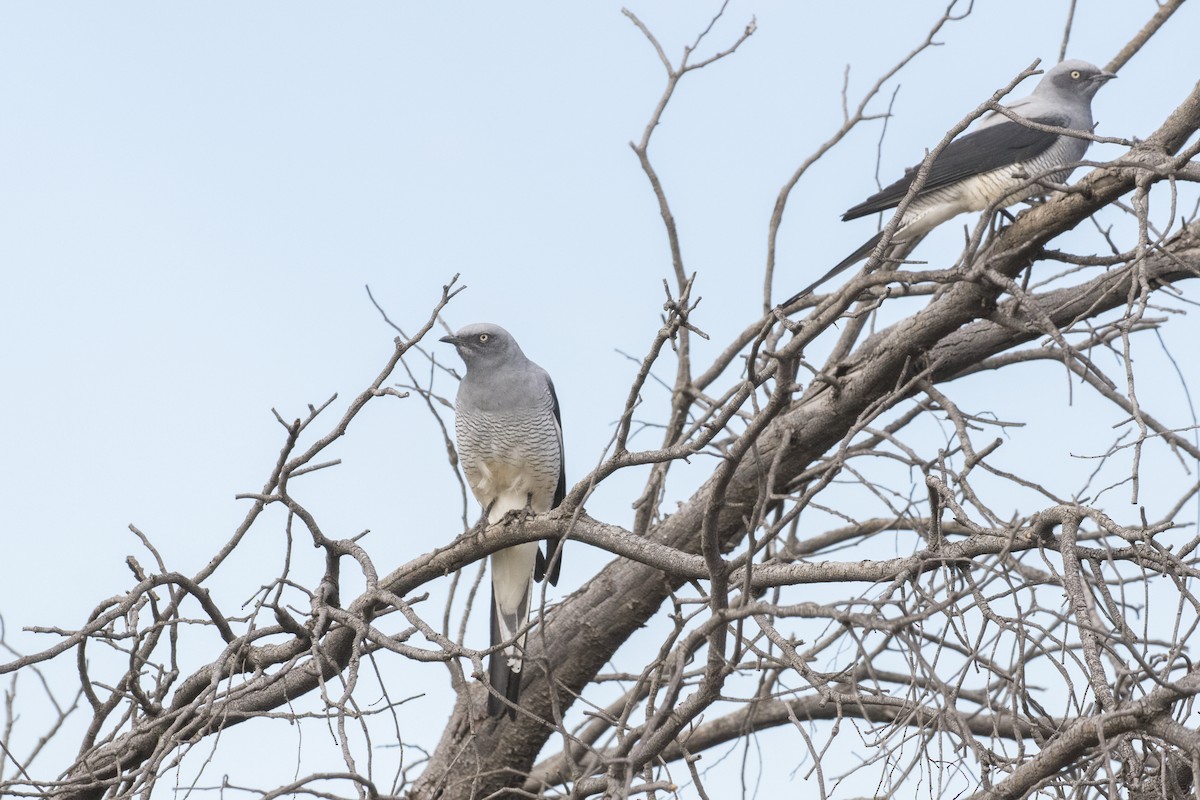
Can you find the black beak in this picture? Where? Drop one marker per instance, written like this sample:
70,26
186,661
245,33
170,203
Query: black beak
1105,77
449,340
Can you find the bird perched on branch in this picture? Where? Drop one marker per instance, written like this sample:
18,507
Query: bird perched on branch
509,432
1002,162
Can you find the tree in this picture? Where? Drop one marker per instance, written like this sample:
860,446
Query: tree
980,652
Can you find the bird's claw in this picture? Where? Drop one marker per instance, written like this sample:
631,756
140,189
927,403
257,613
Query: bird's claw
521,515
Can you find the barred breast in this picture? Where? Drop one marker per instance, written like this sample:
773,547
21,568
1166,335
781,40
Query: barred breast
511,457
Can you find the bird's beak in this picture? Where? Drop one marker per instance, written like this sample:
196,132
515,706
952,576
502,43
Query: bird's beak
1105,77
449,340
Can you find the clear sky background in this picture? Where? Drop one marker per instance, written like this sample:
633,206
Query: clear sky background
194,195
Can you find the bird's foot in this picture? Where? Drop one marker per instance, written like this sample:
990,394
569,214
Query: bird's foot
520,515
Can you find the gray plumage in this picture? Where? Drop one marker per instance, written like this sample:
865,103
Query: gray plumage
1001,162
509,431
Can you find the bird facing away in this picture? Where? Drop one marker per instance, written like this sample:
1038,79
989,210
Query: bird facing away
999,162
509,432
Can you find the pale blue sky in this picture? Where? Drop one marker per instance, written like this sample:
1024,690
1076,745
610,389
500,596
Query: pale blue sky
193,195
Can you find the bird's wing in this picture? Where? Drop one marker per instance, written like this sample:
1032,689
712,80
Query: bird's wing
554,543
995,146
560,491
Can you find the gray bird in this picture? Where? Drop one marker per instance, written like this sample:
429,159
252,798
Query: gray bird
992,164
509,432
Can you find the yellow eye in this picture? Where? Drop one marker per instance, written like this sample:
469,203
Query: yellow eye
1075,74
483,337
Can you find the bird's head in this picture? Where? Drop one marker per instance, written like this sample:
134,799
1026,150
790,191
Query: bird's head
1075,77
484,344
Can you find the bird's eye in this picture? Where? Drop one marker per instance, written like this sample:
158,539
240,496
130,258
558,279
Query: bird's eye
1076,74
483,337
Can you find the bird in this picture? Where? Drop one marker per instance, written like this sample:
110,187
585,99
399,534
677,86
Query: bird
508,427
994,163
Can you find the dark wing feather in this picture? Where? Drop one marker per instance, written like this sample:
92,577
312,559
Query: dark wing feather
560,491
974,154
553,544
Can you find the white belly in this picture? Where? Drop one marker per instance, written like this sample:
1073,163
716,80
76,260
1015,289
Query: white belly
506,487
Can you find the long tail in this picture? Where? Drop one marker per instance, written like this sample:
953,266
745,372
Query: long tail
512,569
862,252
552,559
